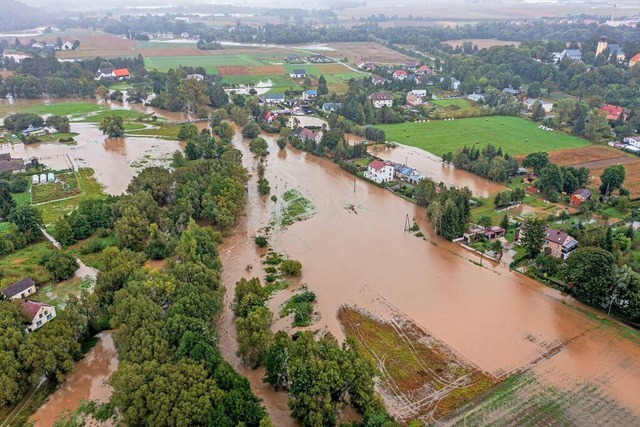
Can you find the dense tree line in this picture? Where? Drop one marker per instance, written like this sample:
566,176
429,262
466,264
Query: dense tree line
489,162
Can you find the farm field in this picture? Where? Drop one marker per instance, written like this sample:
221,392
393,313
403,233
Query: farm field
463,104
58,108
419,374
66,185
515,135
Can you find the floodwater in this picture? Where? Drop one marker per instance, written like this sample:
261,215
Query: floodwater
354,251
88,381
115,160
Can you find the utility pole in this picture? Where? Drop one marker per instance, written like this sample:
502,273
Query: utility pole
407,223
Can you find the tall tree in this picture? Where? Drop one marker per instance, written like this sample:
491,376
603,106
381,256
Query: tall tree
612,178
532,236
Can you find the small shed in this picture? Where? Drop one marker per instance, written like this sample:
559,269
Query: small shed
51,177
35,179
43,178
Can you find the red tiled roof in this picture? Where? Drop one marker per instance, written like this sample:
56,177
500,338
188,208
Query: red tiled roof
613,111
636,58
400,73
121,72
380,96
31,308
377,165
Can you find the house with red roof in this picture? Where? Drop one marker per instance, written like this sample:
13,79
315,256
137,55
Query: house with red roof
424,70
613,112
633,61
36,314
400,74
379,172
121,74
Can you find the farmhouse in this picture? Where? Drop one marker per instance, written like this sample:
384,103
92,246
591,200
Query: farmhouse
613,112
406,173
368,66
411,65
36,314
380,99
293,58
455,83
8,164
413,99
20,289
580,196
298,74
67,46
633,61
121,74
104,73
331,106
309,95
270,116
400,74
360,62
379,172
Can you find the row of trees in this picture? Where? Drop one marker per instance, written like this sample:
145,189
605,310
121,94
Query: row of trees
488,162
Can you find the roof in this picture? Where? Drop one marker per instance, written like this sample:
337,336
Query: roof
378,79
511,91
274,96
573,52
612,110
308,134
311,92
582,192
331,105
299,71
424,69
400,73
636,58
18,287
377,165
121,72
380,96
557,236
31,308
108,70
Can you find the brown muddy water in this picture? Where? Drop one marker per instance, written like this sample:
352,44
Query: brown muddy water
89,381
354,251
115,160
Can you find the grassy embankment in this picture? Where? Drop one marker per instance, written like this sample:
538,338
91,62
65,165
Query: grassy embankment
514,135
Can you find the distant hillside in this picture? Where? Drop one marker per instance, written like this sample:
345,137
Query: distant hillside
16,15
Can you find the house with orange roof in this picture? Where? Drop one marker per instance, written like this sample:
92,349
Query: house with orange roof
121,74
613,112
633,61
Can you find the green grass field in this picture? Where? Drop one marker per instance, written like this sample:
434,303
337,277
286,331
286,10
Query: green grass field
24,263
57,109
514,134
209,62
127,115
463,104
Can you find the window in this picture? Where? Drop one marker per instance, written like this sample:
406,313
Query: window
49,317
38,323
40,315
46,312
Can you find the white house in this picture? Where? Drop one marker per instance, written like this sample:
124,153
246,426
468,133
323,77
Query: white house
420,92
379,172
476,97
67,46
400,74
633,141
298,74
309,95
20,289
574,54
455,83
530,104
272,98
37,314
380,99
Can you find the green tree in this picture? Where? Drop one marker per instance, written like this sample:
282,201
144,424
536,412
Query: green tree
112,126
596,127
158,243
131,230
12,374
291,267
155,180
103,93
187,131
7,203
612,178
249,295
504,223
590,272
538,113
551,179
277,362
254,336
60,264
532,236
63,232
251,130
28,220
536,161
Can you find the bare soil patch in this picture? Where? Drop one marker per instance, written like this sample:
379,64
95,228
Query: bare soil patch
372,52
631,182
264,70
233,70
597,164
332,68
420,376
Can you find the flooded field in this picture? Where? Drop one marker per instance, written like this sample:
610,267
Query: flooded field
354,251
89,381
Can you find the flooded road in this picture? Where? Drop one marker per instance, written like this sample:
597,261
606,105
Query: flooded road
88,381
500,321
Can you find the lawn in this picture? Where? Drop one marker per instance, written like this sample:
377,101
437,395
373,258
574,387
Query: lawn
514,134
208,62
57,109
463,104
24,263
127,115
164,131
95,259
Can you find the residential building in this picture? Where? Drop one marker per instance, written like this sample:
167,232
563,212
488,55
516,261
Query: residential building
455,83
574,54
474,234
293,58
379,172
298,74
368,66
558,243
331,106
270,116
613,112
121,74
400,74
309,95
360,62
633,61
615,51
413,99
602,45
411,65
380,99
272,98
305,134
37,314
530,104
633,141
419,92
9,164
511,91
406,173
476,97
20,289
104,73
424,70
67,46
580,196
195,77
377,80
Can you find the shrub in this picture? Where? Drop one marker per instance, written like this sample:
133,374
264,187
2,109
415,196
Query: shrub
93,246
60,264
261,241
291,267
18,185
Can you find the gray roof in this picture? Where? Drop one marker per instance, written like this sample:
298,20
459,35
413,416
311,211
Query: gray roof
274,96
17,287
583,192
299,71
511,91
573,52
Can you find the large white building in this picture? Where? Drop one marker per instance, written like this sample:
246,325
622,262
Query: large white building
380,99
379,172
37,314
